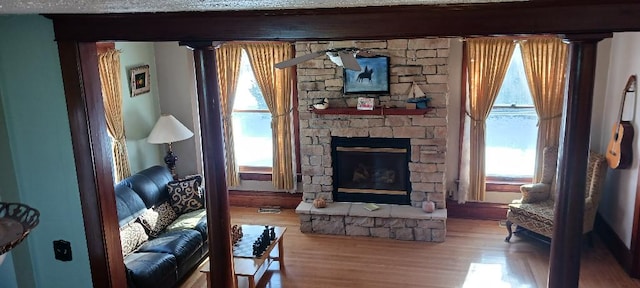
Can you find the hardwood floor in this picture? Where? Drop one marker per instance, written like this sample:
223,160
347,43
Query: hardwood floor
473,255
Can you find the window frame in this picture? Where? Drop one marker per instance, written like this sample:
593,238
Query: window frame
264,173
493,183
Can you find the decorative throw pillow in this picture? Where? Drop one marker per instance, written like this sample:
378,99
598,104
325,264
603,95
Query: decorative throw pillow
532,193
132,236
185,195
156,219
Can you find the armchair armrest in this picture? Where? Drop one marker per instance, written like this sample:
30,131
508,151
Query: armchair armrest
536,192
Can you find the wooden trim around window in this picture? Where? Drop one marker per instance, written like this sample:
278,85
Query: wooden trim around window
266,111
505,184
477,210
105,46
261,176
262,199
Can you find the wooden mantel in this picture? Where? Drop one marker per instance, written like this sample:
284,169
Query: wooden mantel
377,111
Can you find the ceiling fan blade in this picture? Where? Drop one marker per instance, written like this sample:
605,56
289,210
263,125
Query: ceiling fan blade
298,60
349,60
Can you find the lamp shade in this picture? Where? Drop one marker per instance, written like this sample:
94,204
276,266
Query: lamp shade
168,130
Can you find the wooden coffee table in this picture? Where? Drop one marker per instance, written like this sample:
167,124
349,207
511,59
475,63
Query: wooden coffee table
250,267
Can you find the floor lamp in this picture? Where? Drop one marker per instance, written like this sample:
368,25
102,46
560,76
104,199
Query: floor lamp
166,131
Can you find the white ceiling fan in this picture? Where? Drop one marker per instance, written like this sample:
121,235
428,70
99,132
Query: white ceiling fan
345,56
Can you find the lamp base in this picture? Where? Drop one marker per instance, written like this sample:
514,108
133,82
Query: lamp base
170,159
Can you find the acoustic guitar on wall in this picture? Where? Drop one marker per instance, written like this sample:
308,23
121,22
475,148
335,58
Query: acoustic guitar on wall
620,149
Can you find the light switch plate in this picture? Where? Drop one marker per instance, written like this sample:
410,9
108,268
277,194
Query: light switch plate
62,250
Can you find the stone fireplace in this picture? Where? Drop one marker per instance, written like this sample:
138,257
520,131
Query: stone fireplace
372,170
424,135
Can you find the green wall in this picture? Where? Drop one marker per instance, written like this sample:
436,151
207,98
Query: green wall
8,193
142,111
39,142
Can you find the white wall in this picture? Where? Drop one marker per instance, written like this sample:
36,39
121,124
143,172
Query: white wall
178,97
617,206
598,131
142,111
453,114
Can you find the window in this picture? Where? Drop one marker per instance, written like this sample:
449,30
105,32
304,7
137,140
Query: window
511,129
251,121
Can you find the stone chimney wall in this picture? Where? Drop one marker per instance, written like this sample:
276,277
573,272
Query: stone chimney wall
423,61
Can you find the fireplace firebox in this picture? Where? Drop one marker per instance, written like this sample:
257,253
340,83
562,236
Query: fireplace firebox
373,170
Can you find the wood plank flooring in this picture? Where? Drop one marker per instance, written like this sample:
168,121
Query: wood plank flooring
473,255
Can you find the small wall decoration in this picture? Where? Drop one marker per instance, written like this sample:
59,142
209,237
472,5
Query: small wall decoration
140,80
365,103
373,78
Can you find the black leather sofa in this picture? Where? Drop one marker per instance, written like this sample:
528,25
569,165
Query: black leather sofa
164,260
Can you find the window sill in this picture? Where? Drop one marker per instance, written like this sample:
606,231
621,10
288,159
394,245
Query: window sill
260,175
503,184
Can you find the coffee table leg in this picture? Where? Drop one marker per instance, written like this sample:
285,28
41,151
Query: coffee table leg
281,253
252,282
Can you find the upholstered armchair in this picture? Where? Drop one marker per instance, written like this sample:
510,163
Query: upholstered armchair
534,211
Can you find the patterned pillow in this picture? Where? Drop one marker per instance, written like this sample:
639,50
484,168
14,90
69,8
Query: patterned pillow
185,195
156,219
132,236
536,192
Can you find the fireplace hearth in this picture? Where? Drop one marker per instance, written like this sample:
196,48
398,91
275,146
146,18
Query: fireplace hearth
373,170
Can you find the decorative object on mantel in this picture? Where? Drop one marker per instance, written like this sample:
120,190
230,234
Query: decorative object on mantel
140,80
417,98
428,206
166,131
319,202
365,103
324,104
373,78
16,221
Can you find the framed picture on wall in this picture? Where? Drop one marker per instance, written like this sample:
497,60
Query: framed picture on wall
373,78
140,80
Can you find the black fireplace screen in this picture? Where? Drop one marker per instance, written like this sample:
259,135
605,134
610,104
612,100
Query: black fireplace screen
371,170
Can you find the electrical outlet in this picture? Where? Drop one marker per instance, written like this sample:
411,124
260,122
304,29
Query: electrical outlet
62,250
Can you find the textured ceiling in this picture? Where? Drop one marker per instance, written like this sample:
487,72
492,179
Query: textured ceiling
124,6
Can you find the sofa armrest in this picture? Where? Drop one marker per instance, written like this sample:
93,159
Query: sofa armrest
537,192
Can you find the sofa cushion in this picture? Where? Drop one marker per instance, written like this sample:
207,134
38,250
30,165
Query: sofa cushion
132,236
188,220
151,184
202,228
182,244
185,195
128,204
541,212
157,218
151,269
